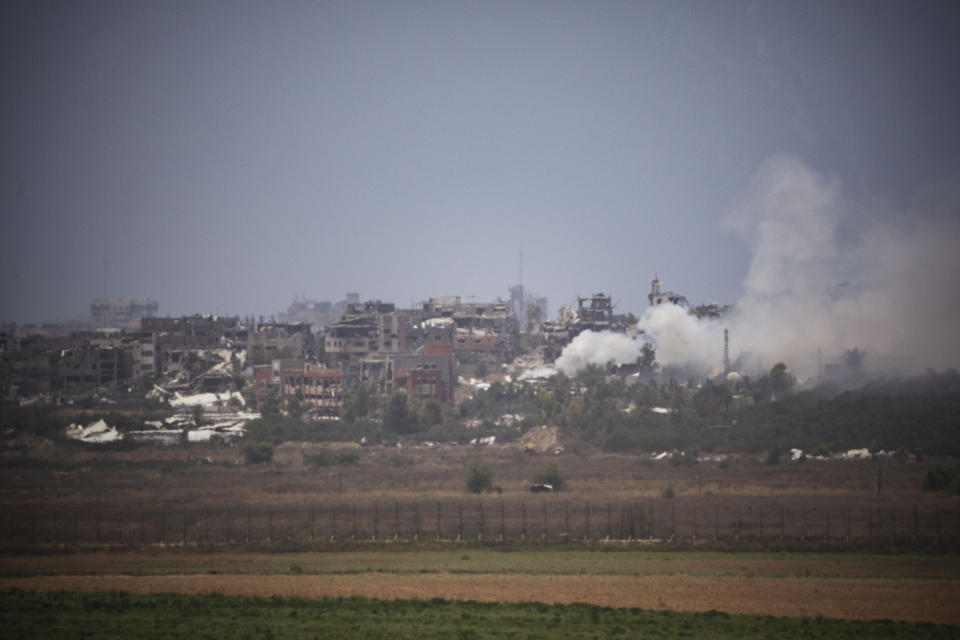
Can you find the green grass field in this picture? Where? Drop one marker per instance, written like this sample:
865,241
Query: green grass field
59,614
412,560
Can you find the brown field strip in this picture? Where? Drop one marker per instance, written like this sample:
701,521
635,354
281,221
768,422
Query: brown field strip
864,599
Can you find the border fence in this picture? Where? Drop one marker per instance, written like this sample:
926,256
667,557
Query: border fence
488,520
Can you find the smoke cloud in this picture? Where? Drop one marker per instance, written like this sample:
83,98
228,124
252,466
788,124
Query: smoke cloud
827,275
592,347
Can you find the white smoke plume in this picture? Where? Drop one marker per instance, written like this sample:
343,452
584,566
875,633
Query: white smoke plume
598,347
828,276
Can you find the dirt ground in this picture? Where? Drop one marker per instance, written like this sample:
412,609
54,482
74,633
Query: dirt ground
852,586
931,601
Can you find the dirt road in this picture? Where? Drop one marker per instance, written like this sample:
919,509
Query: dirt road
864,599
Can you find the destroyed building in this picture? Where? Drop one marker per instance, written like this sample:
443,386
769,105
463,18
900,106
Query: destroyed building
121,313
269,340
318,389
658,297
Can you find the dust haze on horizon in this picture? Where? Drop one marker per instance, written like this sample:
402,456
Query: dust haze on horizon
800,161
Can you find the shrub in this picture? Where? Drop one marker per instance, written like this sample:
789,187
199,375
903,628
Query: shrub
321,459
347,457
678,458
774,456
939,478
258,452
551,475
400,461
479,477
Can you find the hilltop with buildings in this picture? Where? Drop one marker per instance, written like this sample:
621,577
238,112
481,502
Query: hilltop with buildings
447,368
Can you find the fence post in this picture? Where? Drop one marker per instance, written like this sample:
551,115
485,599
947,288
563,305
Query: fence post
803,524
586,534
503,524
544,519
396,519
716,519
523,520
696,517
459,521
673,516
480,535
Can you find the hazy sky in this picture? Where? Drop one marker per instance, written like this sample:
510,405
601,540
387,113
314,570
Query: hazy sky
228,156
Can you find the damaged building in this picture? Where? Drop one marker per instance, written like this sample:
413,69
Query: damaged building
658,297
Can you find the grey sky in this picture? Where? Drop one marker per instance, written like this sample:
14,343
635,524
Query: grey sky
227,156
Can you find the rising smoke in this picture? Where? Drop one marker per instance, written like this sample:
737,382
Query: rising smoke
597,347
827,276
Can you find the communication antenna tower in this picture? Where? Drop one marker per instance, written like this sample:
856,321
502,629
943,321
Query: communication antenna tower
726,351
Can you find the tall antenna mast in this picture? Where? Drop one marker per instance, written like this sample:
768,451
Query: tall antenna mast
726,351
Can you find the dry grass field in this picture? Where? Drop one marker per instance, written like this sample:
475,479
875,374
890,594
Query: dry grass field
198,520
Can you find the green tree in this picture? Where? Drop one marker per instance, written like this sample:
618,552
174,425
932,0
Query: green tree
270,405
647,360
398,417
479,477
432,413
295,405
197,411
781,380
711,399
